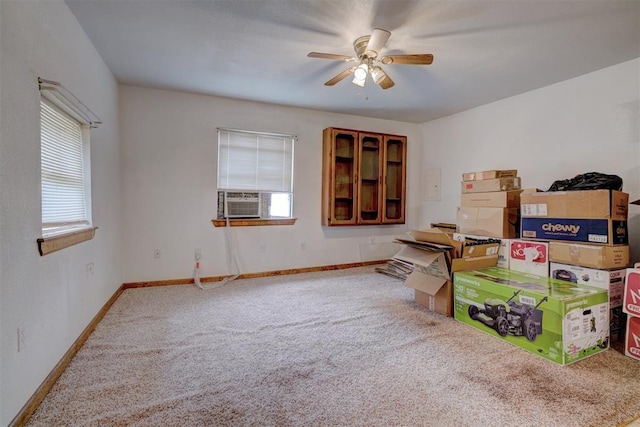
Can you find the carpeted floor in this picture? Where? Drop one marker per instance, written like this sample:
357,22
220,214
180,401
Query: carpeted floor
338,348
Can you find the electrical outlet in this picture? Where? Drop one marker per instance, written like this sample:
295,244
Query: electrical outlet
156,253
21,339
303,246
90,269
263,247
197,253
372,240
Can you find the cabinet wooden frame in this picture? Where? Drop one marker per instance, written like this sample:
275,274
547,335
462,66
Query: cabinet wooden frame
363,178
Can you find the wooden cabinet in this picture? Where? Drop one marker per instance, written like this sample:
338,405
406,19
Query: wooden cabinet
363,178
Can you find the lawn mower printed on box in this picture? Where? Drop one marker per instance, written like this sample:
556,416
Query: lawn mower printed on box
509,317
558,320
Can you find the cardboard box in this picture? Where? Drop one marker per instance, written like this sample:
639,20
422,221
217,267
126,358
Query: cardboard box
632,337
492,199
599,231
594,256
529,257
503,248
478,176
611,280
434,265
631,296
493,222
440,302
588,204
496,184
561,321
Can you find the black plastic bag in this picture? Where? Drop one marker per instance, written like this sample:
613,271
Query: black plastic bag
588,181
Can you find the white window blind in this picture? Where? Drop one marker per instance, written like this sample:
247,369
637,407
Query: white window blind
63,173
255,161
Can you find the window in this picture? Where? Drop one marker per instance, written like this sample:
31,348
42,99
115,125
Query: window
65,175
255,174
65,125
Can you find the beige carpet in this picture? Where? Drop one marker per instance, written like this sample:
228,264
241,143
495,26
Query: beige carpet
341,348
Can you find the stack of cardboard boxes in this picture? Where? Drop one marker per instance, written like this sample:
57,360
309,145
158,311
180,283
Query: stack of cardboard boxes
581,239
494,211
587,238
489,204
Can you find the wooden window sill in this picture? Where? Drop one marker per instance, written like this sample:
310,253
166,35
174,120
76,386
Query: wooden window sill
252,222
46,245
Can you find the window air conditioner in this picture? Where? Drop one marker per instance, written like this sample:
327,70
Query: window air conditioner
239,204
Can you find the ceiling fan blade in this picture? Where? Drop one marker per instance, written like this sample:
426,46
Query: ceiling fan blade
418,59
340,76
330,56
377,41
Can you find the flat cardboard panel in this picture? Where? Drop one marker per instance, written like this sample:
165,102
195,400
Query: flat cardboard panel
491,199
607,204
477,176
565,322
599,231
594,256
431,235
424,282
485,185
492,222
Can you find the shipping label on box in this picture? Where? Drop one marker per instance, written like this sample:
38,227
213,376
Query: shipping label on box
606,204
487,185
632,337
558,320
611,280
594,256
602,231
478,176
492,199
631,296
529,257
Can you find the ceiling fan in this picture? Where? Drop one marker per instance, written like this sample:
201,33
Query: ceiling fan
367,50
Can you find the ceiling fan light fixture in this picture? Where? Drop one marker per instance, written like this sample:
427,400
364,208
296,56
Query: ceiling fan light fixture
378,75
361,72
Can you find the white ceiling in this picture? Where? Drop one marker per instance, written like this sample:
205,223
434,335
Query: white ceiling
484,50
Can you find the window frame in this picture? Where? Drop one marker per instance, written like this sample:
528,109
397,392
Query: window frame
71,230
241,184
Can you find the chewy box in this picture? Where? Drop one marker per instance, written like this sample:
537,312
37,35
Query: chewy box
592,216
558,320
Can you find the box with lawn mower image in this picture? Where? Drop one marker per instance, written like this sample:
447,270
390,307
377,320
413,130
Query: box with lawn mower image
556,319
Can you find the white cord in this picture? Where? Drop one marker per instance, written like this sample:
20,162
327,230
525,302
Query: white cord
231,263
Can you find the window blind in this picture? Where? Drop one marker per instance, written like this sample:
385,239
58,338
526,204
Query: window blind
62,167
255,161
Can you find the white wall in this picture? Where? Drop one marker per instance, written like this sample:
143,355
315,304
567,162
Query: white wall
587,124
51,298
169,147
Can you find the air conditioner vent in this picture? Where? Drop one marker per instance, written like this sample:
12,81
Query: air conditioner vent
239,204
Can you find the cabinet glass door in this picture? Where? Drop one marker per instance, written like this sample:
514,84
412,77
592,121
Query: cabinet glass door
369,179
394,176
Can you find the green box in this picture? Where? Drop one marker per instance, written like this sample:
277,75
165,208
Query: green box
556,319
